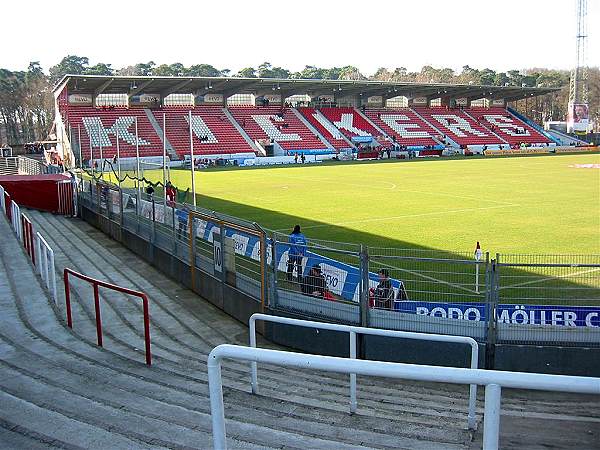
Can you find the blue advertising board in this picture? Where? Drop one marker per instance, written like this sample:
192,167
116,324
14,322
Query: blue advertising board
567,316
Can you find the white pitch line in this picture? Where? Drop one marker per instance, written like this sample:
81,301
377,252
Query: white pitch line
383,219
427,277
541,280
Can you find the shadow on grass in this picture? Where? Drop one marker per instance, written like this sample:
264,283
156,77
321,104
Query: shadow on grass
449,281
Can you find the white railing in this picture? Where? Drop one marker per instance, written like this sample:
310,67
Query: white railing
354,331
492,380
45,256
15,217
8,165
2,204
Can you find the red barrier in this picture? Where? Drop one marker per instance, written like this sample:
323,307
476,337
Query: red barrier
96,284
28,237
66,205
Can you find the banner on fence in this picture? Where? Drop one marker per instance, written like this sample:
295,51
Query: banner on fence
342,279
566,316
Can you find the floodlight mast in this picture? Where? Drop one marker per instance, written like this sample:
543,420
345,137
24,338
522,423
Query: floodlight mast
578,92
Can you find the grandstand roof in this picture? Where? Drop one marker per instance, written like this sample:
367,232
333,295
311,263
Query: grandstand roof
132,85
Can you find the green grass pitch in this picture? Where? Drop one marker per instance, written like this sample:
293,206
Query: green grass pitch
542,204
527,205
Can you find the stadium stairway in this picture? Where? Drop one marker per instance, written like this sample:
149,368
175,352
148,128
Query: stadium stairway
58,389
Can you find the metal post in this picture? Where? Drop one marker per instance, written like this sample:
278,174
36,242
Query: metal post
121,206
491,417
101,155
491,305
71,143
39,255
118,159
53,275
153,237
274,264
192,161
215,389
364,292
98,319
253,364
79,145
352,335
147,330
92,152
164,162
137,173
68,299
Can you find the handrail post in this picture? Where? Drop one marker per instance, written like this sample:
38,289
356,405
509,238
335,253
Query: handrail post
68,299
147,330
472,418
217,411
53,275
353,337
491,417
98,318
253,364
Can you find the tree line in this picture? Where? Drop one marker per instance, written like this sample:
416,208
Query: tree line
27,106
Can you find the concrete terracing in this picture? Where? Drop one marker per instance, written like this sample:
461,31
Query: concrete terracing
58,389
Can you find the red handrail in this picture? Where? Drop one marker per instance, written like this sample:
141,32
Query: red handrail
28,239
99,283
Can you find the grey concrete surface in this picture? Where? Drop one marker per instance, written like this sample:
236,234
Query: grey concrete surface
59,389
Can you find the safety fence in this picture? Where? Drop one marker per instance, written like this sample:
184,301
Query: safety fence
516,299
36,247
96,284
493,381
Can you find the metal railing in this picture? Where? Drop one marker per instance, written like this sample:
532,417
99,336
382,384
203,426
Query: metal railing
353,332
493,381
8,165
99,283
15,217
28,236
45,265
2,201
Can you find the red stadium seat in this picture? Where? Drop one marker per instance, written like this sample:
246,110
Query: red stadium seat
277,123
459,126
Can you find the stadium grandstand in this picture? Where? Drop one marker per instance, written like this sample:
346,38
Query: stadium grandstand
246,118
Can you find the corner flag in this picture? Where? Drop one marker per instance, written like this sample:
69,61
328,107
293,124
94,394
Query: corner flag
478,252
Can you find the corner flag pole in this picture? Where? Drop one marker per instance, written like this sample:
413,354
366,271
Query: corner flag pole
192,160
478,255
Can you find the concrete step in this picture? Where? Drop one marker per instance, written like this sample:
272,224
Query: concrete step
49,369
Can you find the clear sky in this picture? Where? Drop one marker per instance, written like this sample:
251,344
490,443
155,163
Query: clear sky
499,34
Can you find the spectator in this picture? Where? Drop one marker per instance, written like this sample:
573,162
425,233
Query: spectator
297,243
314,284
384,292
171,194
182,221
